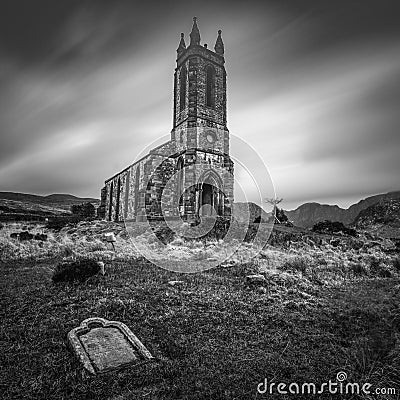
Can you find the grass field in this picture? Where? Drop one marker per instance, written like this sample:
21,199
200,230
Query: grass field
213,336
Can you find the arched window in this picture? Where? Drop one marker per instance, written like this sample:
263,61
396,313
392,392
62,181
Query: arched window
180,175
110,204
137,180
210,86
182,88
117,202
126,200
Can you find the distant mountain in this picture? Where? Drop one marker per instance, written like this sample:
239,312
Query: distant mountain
308,214
244,212
64,199
23,206
382,218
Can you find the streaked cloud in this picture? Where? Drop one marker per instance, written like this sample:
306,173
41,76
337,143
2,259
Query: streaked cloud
313,92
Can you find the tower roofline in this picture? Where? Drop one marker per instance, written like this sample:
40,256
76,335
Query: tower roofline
198,50
195,48
195,33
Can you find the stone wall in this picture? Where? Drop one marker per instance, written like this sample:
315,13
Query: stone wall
150,183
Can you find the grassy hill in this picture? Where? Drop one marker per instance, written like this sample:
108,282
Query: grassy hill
62,200
320,309
23,206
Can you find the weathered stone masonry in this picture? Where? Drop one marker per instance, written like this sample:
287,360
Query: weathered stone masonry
195,161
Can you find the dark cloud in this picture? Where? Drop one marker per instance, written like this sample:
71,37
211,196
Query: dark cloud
312,85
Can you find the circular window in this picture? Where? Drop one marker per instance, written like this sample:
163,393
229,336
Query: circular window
210,136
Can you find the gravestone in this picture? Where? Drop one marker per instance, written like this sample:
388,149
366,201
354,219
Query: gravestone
103,345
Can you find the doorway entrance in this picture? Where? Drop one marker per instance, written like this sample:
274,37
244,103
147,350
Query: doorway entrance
207,206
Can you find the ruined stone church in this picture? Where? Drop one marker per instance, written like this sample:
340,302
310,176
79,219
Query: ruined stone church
191,175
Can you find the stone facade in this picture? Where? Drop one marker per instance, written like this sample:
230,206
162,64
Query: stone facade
193,169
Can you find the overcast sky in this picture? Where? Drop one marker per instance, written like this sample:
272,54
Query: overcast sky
314,86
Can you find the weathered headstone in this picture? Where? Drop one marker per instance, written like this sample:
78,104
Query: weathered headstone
103,345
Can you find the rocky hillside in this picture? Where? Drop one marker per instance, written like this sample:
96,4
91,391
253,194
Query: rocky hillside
382,218
308,214
243,212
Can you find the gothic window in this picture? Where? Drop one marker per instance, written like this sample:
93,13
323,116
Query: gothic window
117,202
182,88
137,180
110,201
179,167
126,201
210,86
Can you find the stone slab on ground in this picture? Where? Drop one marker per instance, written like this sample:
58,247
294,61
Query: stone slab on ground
103,345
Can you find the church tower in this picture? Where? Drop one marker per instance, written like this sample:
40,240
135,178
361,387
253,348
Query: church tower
200,95
191,175
200,130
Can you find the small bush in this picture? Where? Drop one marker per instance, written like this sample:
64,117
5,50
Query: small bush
79,270
40,236
25,235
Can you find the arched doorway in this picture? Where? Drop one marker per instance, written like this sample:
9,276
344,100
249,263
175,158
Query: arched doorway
208,203
211,197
